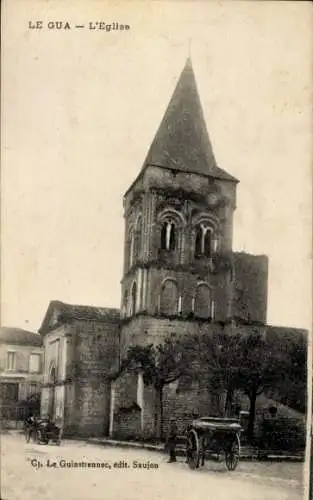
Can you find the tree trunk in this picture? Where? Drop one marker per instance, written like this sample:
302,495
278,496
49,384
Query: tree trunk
158,413
156,416
161,413
155,434
229,401
250,430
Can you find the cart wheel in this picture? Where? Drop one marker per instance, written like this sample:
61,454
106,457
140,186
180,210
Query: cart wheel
40,438
193,450
233,454
33,436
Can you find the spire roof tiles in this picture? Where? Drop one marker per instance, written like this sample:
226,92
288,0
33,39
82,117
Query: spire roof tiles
182,141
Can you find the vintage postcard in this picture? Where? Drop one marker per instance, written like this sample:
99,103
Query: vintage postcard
156,250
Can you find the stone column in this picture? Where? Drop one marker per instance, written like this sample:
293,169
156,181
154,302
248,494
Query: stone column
140,399
112,405
144,287
139,290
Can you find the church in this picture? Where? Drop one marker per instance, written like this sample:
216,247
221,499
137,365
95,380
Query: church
180,276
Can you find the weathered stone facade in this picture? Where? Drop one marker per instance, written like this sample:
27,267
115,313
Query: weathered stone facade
81,348
180,277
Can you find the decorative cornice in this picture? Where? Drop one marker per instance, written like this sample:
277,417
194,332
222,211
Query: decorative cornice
175,317
182,194
219,263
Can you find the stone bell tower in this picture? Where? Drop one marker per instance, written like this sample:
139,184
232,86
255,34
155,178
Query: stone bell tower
179,220
181,276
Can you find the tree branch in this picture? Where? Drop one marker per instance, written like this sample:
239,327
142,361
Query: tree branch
169,380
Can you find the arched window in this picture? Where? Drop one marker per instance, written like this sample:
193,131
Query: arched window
169,298
168,236
163,236
134,299
204,244
172,237
52,375
125,303
203,302
207,242
198,241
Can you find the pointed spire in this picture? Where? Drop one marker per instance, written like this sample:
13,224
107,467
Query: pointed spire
182,141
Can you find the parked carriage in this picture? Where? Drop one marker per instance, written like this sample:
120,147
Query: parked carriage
42,430
217,438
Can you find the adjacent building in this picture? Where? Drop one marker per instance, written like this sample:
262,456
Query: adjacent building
21,368
81,346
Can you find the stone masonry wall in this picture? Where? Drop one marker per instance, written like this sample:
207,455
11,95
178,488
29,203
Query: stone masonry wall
182,402
127,413
155,178
96,356
146,330
177,401
149,409
179,398
187,283
250,287
93,401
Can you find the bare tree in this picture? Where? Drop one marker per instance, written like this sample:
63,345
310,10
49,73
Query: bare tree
160,366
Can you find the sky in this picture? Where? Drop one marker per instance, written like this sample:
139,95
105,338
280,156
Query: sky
80,108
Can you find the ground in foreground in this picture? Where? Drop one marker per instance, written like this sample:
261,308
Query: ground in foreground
46,472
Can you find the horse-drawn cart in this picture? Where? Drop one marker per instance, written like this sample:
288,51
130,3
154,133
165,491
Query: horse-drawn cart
42,431
210,437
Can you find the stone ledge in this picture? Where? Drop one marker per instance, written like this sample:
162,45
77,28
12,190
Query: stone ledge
246,453
127,444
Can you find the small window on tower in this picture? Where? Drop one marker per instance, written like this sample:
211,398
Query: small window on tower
207,243
198,249
204,241
172,238
163,236
134,299
213,309
168,236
